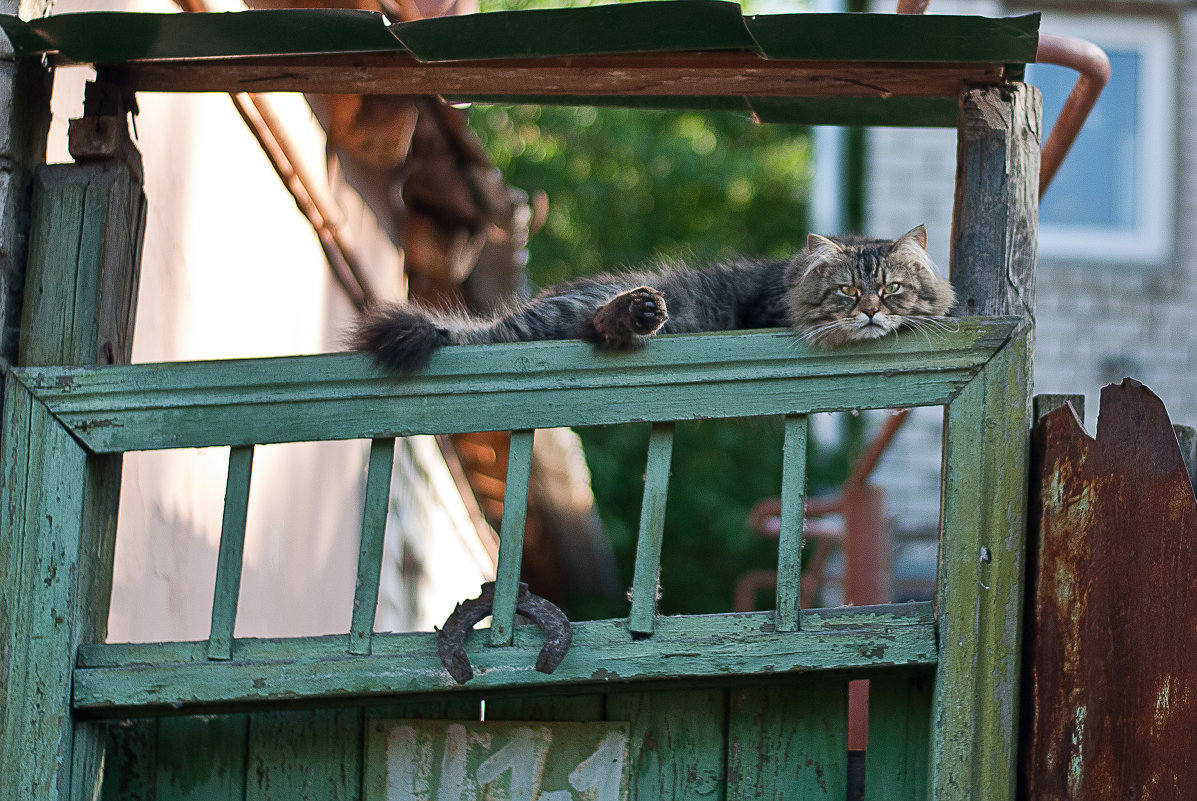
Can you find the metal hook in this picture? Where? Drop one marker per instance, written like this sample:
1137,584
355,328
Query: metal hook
557,629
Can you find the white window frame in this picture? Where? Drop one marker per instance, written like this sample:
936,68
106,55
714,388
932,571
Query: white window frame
1150,239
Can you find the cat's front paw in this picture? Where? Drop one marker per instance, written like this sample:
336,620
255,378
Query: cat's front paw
646,309
624,321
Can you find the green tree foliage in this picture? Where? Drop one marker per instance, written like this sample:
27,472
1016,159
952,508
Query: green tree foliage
626,187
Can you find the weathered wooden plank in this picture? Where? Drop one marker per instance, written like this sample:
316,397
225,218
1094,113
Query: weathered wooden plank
1111,696
526,384
131,761
1044,404
229,555
84,264
899,735
634,74
995,222
789,540
676,744
647,574
369,556
511,537
440,707
788,741
431,760
116,676
981,581
305,755
50,603
562,706
202,758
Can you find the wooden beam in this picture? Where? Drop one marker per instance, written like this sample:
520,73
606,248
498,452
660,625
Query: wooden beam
644,74
543,384
995,223
159,676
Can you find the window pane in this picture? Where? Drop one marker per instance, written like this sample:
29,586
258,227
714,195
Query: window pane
1096,183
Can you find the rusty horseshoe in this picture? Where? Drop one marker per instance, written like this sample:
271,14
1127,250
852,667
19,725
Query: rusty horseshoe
558,631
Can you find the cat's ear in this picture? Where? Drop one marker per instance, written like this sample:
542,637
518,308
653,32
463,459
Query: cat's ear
913,245
915,236
819,250
815,242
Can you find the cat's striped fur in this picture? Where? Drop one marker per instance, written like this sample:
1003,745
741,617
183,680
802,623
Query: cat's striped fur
837,291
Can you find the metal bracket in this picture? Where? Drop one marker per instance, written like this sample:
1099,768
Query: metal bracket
557,629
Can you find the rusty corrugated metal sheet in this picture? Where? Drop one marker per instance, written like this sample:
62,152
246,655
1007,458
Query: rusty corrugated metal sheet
1112,634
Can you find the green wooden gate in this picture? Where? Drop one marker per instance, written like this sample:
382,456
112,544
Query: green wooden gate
732,706
751,705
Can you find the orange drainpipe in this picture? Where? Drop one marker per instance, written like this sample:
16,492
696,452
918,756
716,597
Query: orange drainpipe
1066,51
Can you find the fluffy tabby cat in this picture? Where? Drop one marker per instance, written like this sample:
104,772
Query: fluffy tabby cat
837,291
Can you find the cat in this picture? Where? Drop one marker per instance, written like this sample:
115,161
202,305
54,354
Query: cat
836,292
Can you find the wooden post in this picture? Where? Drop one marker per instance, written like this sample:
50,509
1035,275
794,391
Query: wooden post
981,583
22,149
79,297
995,222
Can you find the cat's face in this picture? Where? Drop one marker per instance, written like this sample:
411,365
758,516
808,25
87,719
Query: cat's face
851,289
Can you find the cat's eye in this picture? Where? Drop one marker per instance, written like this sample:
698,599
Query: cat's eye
849,290
891,288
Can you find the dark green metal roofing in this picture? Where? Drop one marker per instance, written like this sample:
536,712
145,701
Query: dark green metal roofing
101,37
649,27
110,37
122,43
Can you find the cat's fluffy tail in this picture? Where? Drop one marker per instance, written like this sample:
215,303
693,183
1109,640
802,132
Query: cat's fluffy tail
401,336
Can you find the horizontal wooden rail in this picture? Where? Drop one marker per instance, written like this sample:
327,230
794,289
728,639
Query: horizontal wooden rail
164,677
525,385
642,74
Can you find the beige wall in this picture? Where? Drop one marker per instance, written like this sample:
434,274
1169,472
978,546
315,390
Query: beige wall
231,269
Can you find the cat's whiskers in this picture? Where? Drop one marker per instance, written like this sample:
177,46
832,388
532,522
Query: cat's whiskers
926,324
818,332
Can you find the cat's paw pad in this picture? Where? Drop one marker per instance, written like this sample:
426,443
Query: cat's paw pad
646,309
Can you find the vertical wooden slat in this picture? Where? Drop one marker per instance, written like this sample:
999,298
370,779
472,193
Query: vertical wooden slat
789,543
899,736
306,754
981,578
788,741
230,556
652,529
511,537
131,761
369,557
676,747
1044,404
202,758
